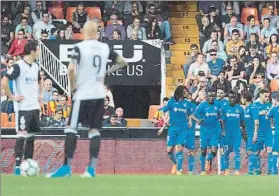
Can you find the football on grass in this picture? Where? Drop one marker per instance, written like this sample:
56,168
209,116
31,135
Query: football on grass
29,168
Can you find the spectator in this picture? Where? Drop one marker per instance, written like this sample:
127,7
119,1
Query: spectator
256,84
134,35
79,18
44,34
44,119
240,88
251,27
54,33
221,82
207,45
42,24
120,119
234,8
214,18
113,122
233,45
113,8
115,26
216,65
249,58
273,45
108,110
255,69
220,53
241,54
24,26
109,94
17,48
69,32
48,90
7,105
61,35
162,8
228,31
267,31
57,120
272,69
158,118
206,30
42,76
136,27
153,31
274,18
130,5
34,4
116,35
236,71
254,40
63,105
227,17
136,11
7,32
199,96
190,58
38,14
25,14
53,103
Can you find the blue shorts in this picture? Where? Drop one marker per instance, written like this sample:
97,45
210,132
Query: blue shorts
176,136
250,146
275,146
190,140
264,141
232,143
208,139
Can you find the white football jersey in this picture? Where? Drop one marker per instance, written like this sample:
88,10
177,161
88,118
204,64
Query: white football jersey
25,78
92,57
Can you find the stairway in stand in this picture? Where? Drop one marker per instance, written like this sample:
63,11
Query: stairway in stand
184,33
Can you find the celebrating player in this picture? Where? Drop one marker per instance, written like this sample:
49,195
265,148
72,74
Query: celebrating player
207,115
264,138
274,114
251,116
232,118
179,110
27,90
87,71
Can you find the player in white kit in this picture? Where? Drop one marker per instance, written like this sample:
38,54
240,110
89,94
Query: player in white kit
87,72
27,87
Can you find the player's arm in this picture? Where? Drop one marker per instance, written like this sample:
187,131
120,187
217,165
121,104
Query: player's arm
255,116
118,62
75,58
196,114
41,87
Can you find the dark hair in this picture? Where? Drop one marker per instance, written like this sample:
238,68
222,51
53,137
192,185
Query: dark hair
212,50
223,72
262,91
277,97
53,30
249,18
113,116
214,41
66,97
136,17
166,99
248,96
231,57
30,46
107,97
151,5
267,19
22,30
55,92
117,31
253,34
179,92
44,31
271,36
235,31
194,46
23,18
45,12
58,109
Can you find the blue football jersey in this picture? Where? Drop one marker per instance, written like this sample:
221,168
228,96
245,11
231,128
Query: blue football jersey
274,114
264,122
221,102
250,114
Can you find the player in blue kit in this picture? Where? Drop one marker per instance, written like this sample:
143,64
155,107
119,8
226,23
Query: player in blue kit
207,115
232,117
190,136
251,116
274,114
264,138
179,110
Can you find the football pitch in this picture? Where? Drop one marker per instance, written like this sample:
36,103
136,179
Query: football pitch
141,185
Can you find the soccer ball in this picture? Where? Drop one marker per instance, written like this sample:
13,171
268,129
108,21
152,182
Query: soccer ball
29,168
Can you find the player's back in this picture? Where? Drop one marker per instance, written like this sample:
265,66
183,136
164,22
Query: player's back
250,115
274,113
91,69
264,122
232,115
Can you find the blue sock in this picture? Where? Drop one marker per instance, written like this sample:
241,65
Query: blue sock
202,160
172,157
237,160
270,162
209,156
179,158
257,162
191,160
275,168
251,159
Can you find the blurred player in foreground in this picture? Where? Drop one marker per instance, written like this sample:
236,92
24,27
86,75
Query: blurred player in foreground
87,72
179,110
27,91
274,114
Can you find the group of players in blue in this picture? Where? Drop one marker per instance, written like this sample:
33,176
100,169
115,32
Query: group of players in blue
224,124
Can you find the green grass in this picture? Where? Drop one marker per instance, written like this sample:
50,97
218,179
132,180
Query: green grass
142,185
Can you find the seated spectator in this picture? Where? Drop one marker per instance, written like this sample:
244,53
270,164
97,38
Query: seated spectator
57,120
256,84
201,85
207,45
230,27
254,40
17,48
63,105
25,14
240,87
136,27
226,18
110,95
254,69
274,18
206,30
54,33
43,76
161,8
136,11
115,26
113,122
79,18
251,27
44,34
134,35
37,15
153,30
220,53
61,35
33,4
69,32
44,119
158,118
252,54
273,45
108,110
163,24
222,83
42,24
272,69
53,103
25,27
113,8
233,45
241,54
267,31
214,18
48,90
129,7
201,97
120,119
116,35
216,65
236,71
190,58
7,34
230,7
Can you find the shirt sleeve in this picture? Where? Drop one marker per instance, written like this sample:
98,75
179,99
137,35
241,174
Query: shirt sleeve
167,107
113,56
270,114
13,72
75,56
198,111
255,113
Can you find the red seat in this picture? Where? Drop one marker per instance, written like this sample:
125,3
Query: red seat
10,124
247,11
274,85
70,12
57,3
265,11
94,12
78,36
118,22
57,12
4,119
152,111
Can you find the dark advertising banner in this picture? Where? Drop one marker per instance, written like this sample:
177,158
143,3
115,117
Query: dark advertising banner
143,57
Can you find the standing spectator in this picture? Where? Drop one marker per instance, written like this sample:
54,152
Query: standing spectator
115,26
113,122
272,69
221,82
153,30
251,27
267,31
17,48
190,58
57,120
214,18
25,27
229,28
233,45
136,27
220,53
26,14
227,17
48,90
42,24
37,15
63,105
216,65
208,43
236,71
274,18
120,119
54,33
53,103
108,110
79,18
7,32
136,11
273,45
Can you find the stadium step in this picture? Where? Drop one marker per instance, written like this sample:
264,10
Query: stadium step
176,73
185,34
182,21
184,28
186,40
183,47
184,7
180,54
173,67
178,60
183,14
133,122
